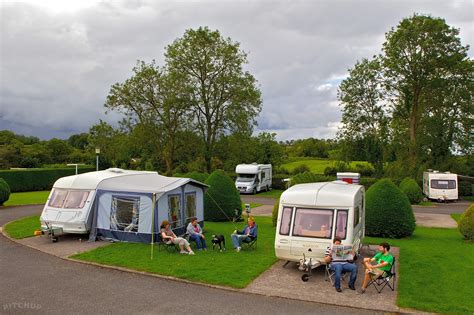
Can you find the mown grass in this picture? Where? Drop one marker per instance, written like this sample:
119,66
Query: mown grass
456,216
228,268
436,272
317,165
274,193
27,198
24,227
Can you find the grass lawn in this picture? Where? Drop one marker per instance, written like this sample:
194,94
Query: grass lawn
274,193
317,165
252,205
27,198
456,216
24,227
468,198
228,268
435,270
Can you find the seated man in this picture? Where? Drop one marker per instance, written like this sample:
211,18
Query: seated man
383,263
195,234
339,266
249,233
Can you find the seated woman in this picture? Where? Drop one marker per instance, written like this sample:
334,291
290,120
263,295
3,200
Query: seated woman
195,234
249,233
169,237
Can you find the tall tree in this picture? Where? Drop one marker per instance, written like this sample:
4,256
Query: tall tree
225,98
159,100
421,52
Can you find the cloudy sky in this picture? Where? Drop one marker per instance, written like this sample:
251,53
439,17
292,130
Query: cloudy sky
59,58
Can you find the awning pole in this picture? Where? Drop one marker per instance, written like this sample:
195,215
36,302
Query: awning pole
153,224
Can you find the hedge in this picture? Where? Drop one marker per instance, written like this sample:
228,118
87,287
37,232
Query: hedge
4,192
37,179
222,198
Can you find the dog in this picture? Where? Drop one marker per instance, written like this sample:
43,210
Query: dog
218,240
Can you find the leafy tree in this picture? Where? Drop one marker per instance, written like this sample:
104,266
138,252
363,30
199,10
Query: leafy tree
58,150
159,100
79,141
224,97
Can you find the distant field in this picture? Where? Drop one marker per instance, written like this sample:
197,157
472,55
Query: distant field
316,166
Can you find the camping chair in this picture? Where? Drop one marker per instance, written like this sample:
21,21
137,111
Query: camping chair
250,243
330,274
386,279
170,246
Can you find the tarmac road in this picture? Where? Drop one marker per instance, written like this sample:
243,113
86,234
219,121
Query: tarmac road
34,282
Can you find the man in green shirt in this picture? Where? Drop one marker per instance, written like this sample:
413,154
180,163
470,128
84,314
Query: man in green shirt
383,263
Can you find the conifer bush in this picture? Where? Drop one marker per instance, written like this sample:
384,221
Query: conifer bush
222,198
388,212
466,223
4,191
411,189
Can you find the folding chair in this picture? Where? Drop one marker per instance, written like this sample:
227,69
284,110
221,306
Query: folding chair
330,274
169,246
250,243
386,279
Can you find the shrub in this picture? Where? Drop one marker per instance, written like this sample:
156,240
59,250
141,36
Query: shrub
200,177
465,188
466,223
309,177
275,212
388,211
277,181
222,198
4,191
411,189
367,182
301,169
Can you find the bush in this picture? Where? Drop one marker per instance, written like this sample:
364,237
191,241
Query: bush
367,182
222,198
466,223
38,179
4,191
309,177
465,187
275,212
200,177
301,169
411,189
388,211
277,181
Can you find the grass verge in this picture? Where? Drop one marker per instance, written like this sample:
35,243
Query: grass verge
27,198
24,227
274,193
435,270
456,216
228,268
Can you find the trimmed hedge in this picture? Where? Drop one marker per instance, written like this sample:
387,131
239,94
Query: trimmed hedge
275,212
37,179
4,191
388,212
222,198
411,189
466,223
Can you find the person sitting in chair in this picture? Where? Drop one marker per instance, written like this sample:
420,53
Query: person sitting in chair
383,263
169,237
248,234
195,234
339,266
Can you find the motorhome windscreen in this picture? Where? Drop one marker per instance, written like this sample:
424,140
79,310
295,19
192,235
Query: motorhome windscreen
244,178
313,223
125,213
443,184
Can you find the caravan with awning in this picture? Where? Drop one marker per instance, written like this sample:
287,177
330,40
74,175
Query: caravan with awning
122,205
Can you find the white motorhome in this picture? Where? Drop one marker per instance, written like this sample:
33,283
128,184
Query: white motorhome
440,186
311,215
122,205
252,178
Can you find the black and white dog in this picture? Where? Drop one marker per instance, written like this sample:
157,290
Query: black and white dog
218,240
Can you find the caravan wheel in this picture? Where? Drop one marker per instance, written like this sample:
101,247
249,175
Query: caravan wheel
305,277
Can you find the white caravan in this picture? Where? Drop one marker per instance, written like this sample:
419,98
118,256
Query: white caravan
440,186
122,205
311,215
252,178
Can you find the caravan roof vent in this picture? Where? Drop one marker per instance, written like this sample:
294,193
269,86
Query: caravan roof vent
447,172
115,170
430,170
435,171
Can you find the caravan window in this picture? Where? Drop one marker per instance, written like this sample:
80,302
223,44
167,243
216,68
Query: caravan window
443,184
285,221
313,223
174,206
125,213
190,206
341,224
58,197
356,215
76,199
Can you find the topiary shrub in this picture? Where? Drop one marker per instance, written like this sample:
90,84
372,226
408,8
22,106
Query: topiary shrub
222,198
388,212
466,223
4,191
275,212
411,189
